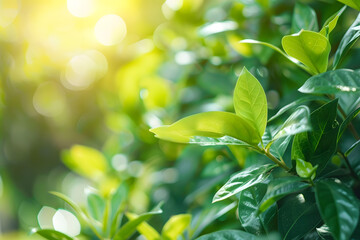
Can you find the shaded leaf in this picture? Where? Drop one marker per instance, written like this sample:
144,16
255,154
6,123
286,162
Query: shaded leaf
310,48
249,202
346,122
331,82
228,235
338,207
243,180
304,17
208,124
348,40
250,101
175,226
280,188
352,148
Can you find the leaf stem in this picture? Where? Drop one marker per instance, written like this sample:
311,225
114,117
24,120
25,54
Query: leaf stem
348,165
281,163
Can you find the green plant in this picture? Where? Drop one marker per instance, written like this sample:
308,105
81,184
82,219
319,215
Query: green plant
309,194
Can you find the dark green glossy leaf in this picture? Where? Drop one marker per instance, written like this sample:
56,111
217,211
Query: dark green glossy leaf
130,227
305,169
280,188
296,103
331,22
250,101
318,145
310,48
349,39
351,3
217,27
338,207
304,17
243,180
331,82
249,202
52,234
298,216
228,235
352,148
279,146
208,124
346,122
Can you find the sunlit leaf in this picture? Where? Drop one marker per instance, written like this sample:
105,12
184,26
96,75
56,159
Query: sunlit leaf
250,101
338,207
175,226
85,161
331,82
279,188
243,180
305,169
304,17
348,40
352,3
310,48
208,124
66,222
331,22
144,228
249,202
228,235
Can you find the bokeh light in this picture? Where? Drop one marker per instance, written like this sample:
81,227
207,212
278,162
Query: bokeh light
81,8
49,99
110,30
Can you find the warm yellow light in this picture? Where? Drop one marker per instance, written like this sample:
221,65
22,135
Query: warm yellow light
110,30
81,8
8,12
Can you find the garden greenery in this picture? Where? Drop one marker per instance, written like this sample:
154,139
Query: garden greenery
306,182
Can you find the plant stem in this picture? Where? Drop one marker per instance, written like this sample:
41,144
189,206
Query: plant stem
350,125
281,163
348,165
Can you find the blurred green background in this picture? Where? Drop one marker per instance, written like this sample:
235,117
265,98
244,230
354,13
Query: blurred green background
82,81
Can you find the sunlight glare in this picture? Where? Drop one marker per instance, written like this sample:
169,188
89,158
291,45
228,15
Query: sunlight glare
110,30
81,8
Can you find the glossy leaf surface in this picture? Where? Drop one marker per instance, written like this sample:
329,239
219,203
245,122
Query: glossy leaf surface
243,180
304,17
305,169
346,122
310,48
331,82
208,124
338,207
228,235
250,101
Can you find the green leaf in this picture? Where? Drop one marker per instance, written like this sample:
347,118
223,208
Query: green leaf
217,27
250,101
279,146
86,161
130,227
228,235
249,202
331,22
280,188
208,124
338,208
144,228
348,40
298,122
310,48
52,234
72,204
95,204
304,17
346,122
318,145
305,169
175,226
295,103
243,180
331,82
297,216
351,3
351,148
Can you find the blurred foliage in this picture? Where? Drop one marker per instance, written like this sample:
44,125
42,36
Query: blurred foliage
83,81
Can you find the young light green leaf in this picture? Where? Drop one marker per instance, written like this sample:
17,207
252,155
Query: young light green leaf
243,180
144,228
228,235
280,188
175,226
249,202
130,227
305,169
331,82
250,101
208,124
338,207
348,40
318,145
304,17
351,3
52,234
331,22
310,48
